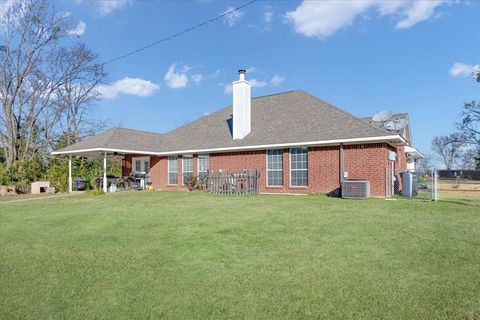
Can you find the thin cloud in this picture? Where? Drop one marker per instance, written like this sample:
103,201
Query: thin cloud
216,74
79,29
176,80
417,12
255,83
197,78
459,69
106,7
232,18
268,14
277,80
128,86
322,19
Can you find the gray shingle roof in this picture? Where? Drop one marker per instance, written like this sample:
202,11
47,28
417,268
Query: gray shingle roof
289,117
119,138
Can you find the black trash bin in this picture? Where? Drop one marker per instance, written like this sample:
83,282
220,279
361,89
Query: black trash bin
80,184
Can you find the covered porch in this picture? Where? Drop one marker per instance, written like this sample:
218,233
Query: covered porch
138,178
116,143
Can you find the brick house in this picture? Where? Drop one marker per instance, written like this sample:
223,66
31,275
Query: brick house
299,144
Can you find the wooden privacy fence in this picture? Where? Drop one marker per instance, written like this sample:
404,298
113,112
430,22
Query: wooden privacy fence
244,182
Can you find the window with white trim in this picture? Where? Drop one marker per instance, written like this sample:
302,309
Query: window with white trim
275,168
172,170
141,164
146,165
299,167
203,165
187,168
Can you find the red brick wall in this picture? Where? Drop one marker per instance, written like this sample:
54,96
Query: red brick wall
127,164
323,173
324,169
401,163
365,161
159,172
368,161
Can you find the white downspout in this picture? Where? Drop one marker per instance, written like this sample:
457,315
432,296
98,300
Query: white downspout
105,172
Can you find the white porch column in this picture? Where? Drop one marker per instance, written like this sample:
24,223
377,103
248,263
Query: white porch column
70,174
105,172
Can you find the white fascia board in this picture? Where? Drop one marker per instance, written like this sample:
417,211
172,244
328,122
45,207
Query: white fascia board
396,137
413,151
78,151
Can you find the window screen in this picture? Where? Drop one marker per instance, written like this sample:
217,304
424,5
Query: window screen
299,167
187,168
275,167
172,170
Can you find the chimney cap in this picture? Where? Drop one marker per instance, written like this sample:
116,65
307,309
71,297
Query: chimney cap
242,71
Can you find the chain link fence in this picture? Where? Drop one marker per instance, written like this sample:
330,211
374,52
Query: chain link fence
431,185
458,184
415,185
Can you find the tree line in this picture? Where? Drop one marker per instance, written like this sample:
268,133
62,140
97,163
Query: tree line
49,83
461,149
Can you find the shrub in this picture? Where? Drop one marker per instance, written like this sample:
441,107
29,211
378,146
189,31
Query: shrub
22,173
3,174
191,182
57,174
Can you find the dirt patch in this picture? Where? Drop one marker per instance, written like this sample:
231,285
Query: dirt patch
461,189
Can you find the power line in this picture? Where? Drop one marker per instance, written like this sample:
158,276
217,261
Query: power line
176,35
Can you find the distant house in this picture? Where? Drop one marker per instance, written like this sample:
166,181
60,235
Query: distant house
299,143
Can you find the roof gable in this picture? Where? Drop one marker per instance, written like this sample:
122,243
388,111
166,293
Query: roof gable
289,117
119,138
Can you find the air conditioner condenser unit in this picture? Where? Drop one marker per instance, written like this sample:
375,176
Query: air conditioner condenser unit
356,189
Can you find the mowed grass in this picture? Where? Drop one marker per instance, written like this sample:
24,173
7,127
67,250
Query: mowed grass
183,255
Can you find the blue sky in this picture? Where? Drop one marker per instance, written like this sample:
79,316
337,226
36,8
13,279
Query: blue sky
363,56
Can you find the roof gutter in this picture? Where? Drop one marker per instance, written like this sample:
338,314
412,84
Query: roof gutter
396,138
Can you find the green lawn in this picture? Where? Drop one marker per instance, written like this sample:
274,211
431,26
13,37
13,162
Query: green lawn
187,255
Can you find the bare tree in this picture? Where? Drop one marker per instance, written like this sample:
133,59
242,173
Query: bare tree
45,89
30,33
469,124
79,92
467,159
424,164
449,148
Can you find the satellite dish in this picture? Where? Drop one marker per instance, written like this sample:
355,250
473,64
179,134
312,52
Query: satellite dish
382,116
395,125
